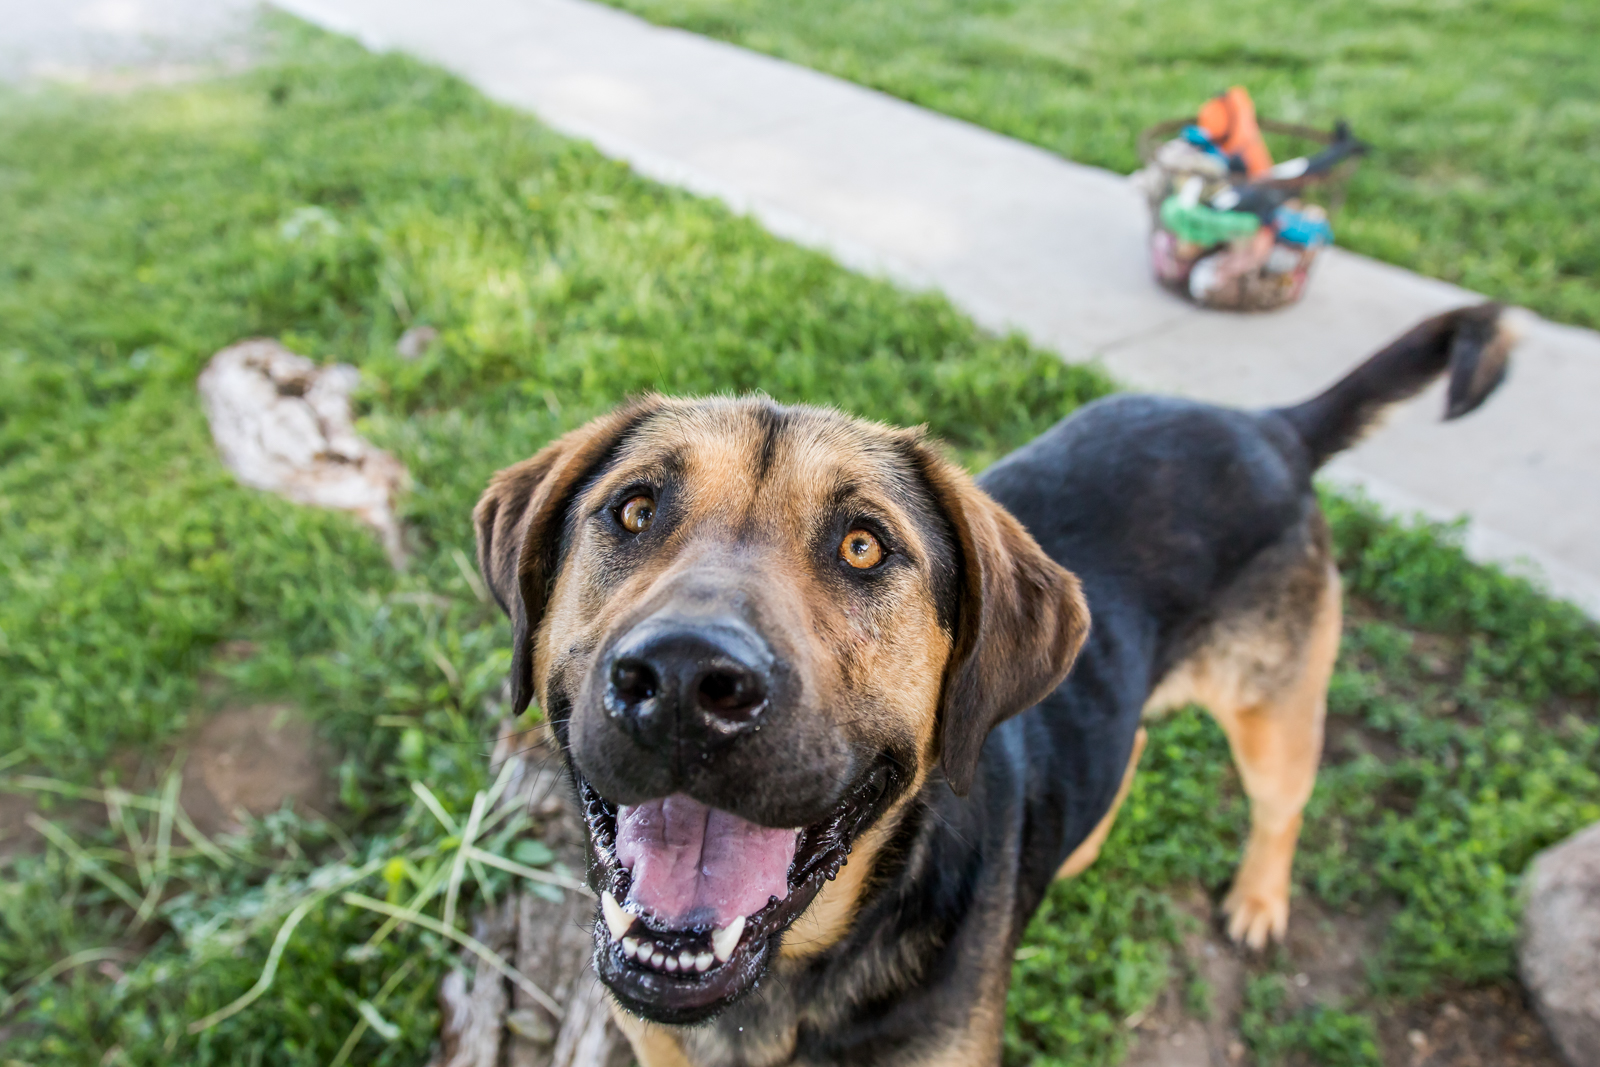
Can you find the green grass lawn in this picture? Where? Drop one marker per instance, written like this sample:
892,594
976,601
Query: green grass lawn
140,234
1485,113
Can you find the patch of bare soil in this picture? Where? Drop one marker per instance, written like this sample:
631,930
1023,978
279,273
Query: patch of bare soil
243,760
15,834
18,809
1169,1035
1493,1027
1347,739
251,760
1326,953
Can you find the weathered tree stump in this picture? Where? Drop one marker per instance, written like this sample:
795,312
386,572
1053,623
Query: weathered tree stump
281,423
491,1023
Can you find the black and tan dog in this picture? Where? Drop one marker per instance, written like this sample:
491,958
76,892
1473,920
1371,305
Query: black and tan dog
773,639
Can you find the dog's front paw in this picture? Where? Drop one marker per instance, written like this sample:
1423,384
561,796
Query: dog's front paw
1254,918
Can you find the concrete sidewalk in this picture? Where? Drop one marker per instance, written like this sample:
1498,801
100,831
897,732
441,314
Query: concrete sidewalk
1015,236
117,44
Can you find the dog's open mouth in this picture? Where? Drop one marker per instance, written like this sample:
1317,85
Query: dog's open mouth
693,899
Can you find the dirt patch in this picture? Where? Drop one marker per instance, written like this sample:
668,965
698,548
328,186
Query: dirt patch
252,760
249,759
1347,739
16,836
1170,1034
1493,1027
1326,956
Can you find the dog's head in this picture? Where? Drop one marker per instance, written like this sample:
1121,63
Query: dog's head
756,629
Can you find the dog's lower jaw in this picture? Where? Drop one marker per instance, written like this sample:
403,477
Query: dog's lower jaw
828,919
642,960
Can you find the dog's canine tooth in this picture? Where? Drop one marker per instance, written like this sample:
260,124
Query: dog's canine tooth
618,921
723,939
703,961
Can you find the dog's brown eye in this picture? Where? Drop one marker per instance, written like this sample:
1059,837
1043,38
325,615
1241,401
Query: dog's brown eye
861,550
637,514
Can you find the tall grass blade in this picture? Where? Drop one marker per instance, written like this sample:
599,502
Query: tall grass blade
466,941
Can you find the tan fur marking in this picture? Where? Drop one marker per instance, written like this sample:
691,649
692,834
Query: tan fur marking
653,1045
829,915
1270,696
980,1044
1089,851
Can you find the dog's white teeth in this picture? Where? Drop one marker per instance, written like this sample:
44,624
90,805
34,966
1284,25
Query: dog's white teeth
723,939
618,921
685,961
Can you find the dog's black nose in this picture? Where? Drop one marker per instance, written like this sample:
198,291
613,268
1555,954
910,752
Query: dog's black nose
674,683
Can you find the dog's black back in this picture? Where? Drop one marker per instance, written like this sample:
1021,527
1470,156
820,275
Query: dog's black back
1158,504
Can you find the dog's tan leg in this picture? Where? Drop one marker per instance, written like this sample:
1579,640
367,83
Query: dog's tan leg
653,1046
1277,744
1089,851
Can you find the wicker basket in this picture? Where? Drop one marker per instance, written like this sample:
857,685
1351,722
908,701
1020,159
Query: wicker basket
1254,272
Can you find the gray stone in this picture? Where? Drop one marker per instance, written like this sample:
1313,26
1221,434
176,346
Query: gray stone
415,342
1560,952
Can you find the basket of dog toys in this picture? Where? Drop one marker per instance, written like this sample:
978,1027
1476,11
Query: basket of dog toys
1230,228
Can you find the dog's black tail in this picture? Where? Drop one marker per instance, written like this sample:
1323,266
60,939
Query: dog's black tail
1474,344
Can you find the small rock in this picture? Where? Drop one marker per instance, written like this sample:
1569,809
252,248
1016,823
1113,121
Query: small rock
1560,951
415,342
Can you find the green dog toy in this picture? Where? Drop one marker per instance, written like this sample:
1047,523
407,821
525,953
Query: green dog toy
1206,226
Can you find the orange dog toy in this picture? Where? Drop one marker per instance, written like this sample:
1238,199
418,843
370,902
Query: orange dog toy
1230,121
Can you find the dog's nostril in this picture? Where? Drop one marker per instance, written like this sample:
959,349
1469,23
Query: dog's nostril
730,694
633,682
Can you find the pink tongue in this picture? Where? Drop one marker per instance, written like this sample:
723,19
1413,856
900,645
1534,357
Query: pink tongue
694,864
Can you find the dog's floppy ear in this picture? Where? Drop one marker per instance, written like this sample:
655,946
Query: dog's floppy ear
1022,619
519,520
